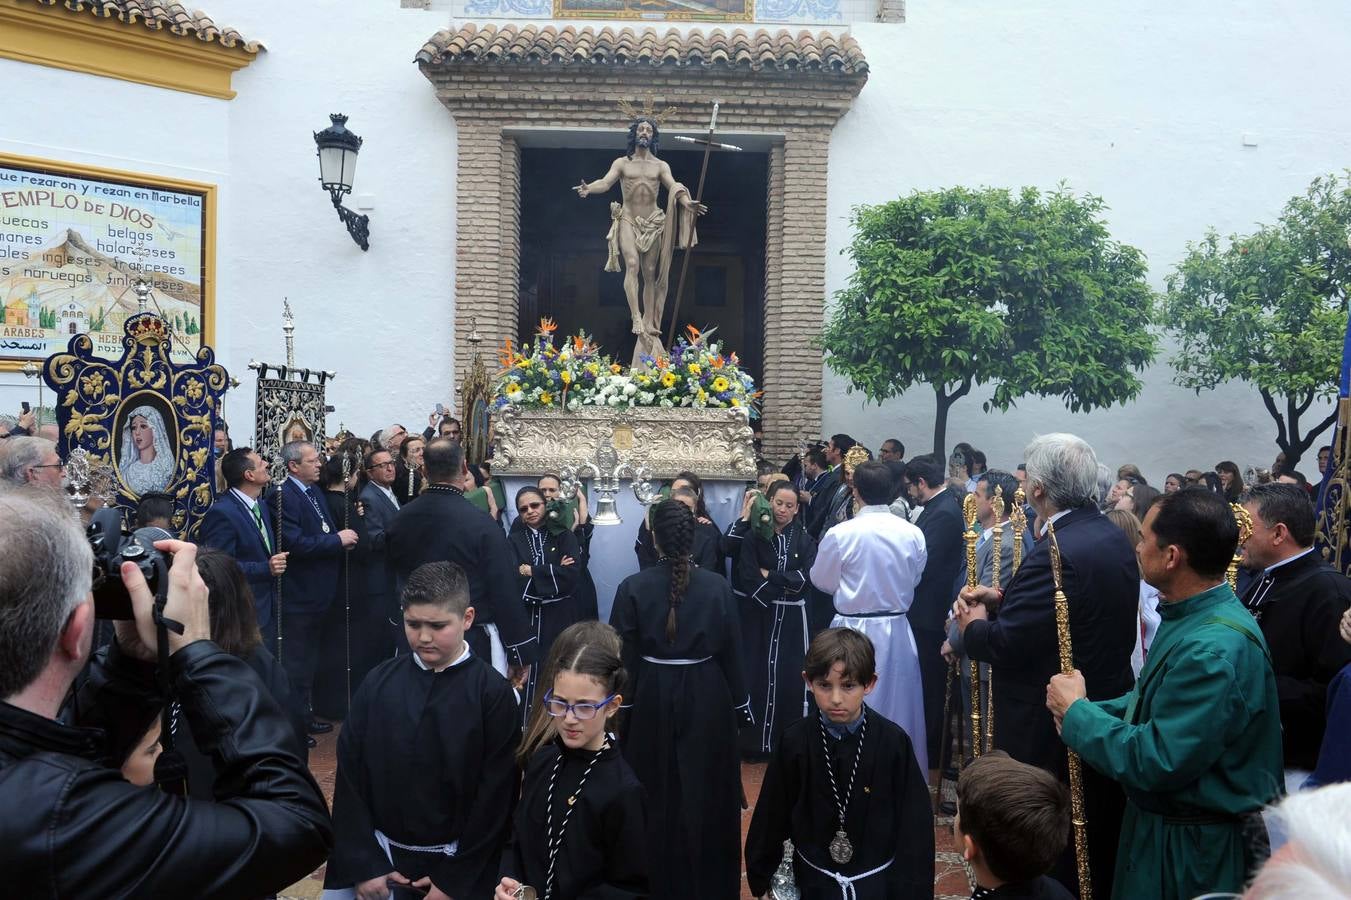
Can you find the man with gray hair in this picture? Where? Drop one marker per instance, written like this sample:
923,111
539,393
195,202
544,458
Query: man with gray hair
31,460
1014,630
70,826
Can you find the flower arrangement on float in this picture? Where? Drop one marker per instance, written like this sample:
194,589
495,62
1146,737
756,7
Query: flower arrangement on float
695,373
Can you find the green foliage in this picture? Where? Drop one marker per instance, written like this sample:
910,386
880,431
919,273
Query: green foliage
1025,292
1269,308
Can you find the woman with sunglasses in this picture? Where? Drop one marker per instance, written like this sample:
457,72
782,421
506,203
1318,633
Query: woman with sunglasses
546,576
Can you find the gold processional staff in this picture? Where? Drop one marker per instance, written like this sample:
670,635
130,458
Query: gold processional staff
972,535
1062,630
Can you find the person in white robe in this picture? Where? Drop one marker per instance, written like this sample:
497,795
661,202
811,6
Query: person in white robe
871,564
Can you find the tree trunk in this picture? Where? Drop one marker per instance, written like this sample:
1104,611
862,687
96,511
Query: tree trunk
944,402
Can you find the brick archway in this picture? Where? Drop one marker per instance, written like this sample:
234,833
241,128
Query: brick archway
792,89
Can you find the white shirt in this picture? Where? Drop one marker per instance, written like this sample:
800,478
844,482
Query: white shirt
249,502
871,563
464,654
1051,521
388,493
1269,569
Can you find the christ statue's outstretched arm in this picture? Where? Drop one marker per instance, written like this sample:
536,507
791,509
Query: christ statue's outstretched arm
599,187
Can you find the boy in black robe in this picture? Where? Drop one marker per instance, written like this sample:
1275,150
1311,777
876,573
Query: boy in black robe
426,776
872,829
1013,821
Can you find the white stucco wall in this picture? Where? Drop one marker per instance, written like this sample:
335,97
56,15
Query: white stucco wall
380,319
1145,104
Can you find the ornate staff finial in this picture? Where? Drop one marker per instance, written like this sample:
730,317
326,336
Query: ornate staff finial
474,337
288,328
142,294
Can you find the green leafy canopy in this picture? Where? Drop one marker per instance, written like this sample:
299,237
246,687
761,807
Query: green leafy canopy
1269,308
1024,292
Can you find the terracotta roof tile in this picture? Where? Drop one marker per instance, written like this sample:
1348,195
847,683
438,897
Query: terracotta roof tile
159,15
756,50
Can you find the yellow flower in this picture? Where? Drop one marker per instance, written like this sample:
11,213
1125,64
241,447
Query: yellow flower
593,368
546,398
719,384
523,364
566,376
736,402
668,379
702,396
694,368
513,388
643,379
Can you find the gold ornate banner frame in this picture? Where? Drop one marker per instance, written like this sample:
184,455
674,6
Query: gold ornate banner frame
74,239
148,417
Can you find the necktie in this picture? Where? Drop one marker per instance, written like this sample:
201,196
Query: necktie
262,529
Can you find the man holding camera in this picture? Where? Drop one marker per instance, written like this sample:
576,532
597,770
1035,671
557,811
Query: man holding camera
69,825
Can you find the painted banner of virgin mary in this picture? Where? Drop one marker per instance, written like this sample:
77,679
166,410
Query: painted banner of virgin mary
146,457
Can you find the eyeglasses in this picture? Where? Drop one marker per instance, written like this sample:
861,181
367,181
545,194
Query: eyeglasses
583,711
383,465
521,509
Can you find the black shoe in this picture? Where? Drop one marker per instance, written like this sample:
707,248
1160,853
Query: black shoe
311,742
317,727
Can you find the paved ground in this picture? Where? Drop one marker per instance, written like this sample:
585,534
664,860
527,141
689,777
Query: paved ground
950,878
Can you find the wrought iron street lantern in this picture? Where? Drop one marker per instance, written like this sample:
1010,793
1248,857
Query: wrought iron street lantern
338,149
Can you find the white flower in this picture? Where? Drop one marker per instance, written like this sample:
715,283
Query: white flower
615,401
574,404
667,404
630,389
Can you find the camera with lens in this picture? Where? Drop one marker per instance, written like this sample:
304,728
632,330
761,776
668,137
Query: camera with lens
112,547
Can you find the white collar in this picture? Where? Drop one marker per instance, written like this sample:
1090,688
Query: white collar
244,498
1051,521
388,492
426,668
873,509
1268,570
984,535
304,488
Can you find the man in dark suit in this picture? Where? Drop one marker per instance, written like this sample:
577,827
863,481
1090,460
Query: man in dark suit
1298,600
440,525
238,524
315,544
941,522
821,481
1101,578
381,508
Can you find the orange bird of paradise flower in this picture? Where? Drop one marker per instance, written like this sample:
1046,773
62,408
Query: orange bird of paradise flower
506,356
547,326
718,362
694,333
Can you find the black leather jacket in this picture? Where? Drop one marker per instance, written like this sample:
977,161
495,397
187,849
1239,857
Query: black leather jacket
71,827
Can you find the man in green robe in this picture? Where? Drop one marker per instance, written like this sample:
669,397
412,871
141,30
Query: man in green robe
1197,743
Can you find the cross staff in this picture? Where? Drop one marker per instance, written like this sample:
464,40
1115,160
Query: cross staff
709,144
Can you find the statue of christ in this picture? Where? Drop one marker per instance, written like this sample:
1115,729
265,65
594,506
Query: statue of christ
644,234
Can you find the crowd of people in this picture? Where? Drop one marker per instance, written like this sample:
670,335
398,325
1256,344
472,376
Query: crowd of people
868,625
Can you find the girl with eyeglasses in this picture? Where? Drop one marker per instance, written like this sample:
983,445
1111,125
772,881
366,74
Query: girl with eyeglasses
580,824
546,576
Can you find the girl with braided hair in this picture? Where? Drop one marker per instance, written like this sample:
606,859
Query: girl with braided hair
682,648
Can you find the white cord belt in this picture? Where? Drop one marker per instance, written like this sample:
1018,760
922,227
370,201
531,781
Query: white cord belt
385,843
847,891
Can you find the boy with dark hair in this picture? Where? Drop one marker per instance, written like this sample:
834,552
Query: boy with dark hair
844,786
426,767
1013,821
